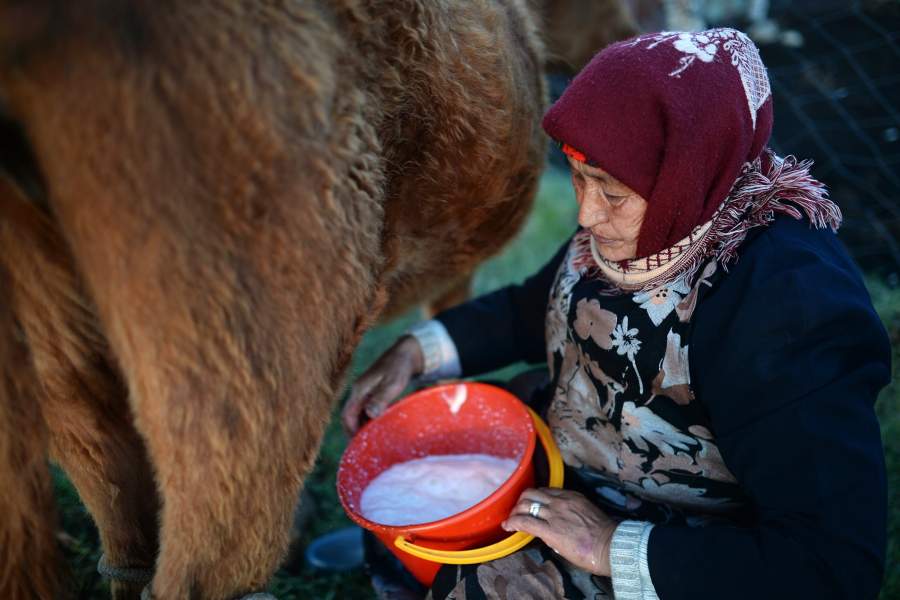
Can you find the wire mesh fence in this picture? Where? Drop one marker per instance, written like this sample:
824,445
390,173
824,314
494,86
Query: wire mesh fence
837,101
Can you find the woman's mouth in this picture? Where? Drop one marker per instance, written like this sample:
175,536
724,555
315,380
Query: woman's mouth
603,240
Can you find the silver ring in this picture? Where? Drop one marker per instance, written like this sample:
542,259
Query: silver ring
535,509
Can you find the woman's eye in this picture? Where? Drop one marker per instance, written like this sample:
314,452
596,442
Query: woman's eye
615,198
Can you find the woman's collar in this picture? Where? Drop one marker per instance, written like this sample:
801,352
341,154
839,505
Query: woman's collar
640,273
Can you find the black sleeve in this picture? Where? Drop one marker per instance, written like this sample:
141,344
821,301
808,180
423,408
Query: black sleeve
505,326
793,356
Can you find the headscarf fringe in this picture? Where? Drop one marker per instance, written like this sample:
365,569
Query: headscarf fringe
756,197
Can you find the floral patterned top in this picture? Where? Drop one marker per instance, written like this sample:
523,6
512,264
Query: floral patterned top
623,412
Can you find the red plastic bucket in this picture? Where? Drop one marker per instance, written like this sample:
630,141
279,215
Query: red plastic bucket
464,418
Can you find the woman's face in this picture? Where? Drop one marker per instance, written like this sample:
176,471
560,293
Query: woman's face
612,211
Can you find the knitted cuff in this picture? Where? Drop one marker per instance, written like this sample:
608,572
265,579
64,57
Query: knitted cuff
628,561
441,357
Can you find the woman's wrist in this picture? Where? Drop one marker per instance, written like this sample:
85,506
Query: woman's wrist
440,359
410,347
600,558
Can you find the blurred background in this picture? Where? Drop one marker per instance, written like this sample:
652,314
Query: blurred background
836,84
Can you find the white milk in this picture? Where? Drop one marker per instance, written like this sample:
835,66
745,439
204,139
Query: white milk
434,487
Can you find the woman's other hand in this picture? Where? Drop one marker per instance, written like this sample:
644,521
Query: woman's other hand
569,524
383,382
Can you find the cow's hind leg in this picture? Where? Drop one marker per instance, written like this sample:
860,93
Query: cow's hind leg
234,381
83,400
28,556
235,369
233,342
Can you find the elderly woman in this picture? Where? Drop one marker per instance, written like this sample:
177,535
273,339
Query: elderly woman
713,354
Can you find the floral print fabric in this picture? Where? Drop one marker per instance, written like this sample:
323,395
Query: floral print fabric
535,573
623,411
632,435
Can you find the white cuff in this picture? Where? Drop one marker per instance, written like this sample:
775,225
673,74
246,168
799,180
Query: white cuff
628,561
441,357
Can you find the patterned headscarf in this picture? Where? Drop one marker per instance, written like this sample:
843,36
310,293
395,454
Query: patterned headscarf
683,119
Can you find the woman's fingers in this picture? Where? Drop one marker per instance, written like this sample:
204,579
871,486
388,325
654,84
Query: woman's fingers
359,395
532,495
528,524
526,502
551,501
382,383
385,393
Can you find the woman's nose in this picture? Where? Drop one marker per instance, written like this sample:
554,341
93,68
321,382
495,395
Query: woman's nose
593,210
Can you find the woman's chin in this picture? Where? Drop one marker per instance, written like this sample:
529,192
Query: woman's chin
615,254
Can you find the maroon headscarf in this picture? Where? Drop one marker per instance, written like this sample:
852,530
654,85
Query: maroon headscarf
678,118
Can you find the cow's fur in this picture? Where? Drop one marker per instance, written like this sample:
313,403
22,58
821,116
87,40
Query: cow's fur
234,191
575,30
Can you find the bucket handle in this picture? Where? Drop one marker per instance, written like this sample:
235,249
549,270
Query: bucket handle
506,546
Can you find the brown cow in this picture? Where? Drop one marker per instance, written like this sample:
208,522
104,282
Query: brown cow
232,192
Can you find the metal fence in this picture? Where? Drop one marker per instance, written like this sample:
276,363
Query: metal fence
837,101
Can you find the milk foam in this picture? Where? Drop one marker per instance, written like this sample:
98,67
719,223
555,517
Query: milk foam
432,488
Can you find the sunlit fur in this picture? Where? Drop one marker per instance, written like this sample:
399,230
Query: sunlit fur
236,191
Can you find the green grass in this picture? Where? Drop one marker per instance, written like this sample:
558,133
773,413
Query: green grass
887,303
551,222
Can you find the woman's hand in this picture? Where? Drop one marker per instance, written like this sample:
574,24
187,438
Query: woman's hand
569,524
383,382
